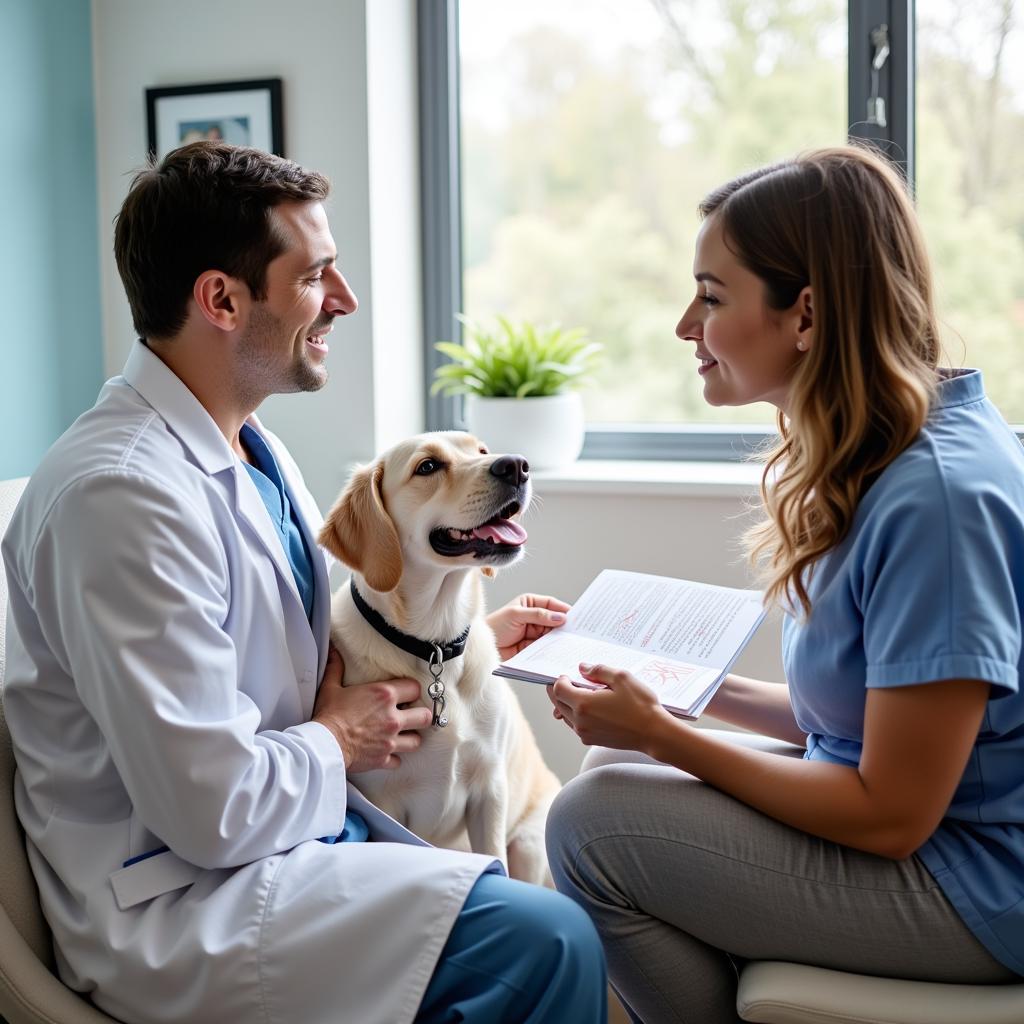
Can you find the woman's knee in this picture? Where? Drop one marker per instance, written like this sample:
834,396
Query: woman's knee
598,757
575,804
598,801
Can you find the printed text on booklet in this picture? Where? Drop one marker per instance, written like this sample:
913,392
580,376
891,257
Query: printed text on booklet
677,636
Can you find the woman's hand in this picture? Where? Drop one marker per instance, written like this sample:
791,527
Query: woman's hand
622,714
524,620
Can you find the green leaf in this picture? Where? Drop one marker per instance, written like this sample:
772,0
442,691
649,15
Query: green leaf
509,358
453,351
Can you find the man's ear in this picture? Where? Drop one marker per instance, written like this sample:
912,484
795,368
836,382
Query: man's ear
359,532
220,298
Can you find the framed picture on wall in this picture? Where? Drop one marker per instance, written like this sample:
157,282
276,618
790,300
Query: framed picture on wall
246,113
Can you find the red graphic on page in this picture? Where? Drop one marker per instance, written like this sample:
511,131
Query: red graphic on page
661,673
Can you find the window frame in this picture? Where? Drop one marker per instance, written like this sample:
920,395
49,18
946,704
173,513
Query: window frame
441,221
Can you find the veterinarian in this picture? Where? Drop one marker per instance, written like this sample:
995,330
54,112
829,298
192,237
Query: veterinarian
893,540
181,731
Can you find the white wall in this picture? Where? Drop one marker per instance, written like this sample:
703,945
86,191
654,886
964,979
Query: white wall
350,111
348,107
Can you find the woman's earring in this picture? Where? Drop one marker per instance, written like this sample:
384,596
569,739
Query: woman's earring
801,345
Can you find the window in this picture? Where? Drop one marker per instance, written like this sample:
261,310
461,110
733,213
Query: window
970,165
569,141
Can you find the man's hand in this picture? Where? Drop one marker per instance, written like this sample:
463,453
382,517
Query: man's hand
367,721
523,620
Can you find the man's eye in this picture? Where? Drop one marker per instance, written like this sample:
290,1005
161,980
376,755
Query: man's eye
315,280
428,466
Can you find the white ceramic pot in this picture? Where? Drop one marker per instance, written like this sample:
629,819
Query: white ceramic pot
548,431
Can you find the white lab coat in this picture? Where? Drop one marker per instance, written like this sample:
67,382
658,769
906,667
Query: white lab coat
160,678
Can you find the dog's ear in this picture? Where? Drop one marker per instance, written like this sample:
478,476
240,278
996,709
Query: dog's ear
359,532
489,571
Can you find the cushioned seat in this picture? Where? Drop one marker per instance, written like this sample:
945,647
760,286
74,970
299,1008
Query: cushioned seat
781,993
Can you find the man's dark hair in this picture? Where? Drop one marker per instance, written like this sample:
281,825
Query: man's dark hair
205,206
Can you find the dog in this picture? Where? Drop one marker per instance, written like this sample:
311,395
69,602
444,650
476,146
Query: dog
418,528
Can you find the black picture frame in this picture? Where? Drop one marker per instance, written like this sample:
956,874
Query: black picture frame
247,112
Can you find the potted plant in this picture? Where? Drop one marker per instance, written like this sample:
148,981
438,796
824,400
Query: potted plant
520,381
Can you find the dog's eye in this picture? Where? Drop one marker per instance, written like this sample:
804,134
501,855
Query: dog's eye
428,466
484,451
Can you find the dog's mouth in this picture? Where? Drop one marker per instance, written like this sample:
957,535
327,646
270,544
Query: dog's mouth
497,539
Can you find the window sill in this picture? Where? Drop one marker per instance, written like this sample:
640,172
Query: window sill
651,478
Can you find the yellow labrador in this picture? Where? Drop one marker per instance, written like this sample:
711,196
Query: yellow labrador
417,527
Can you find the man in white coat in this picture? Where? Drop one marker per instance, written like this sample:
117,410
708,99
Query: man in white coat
181,778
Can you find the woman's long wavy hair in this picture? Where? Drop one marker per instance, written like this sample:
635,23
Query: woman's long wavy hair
841,221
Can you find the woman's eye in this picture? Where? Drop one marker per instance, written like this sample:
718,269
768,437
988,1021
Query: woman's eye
708,300
427,466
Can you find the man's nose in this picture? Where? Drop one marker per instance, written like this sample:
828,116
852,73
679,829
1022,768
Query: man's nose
511,469
339,299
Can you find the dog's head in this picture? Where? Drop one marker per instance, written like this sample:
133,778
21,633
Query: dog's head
439,500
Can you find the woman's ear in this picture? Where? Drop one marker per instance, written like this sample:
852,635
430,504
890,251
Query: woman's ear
805,324
359,532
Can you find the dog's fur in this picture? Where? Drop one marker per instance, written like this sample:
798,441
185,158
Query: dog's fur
480,783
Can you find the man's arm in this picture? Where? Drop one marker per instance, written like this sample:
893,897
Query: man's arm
137,594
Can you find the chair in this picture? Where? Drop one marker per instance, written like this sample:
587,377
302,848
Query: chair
779,993
772,992
30,993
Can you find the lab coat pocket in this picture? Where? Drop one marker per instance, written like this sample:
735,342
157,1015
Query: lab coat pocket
152,877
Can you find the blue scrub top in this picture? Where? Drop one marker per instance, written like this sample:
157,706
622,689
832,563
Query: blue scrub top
270,484
927,586
268,480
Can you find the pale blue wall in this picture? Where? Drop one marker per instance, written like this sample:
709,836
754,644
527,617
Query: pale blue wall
51,358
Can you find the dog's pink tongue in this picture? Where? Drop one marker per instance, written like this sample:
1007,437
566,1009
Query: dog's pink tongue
504,531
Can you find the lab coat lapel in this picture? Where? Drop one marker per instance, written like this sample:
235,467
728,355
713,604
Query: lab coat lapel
186,417
310,521
251,510
321,617
305,653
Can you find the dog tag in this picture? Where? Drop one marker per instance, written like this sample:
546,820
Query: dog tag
436,688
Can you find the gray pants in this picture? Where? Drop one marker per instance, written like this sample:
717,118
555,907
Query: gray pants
683,882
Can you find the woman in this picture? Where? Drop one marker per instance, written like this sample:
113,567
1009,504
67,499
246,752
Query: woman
893,539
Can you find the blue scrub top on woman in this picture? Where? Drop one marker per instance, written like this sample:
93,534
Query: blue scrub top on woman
929,586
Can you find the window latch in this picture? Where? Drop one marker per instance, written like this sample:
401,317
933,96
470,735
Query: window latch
876,103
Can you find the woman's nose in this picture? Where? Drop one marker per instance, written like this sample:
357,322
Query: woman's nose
689,327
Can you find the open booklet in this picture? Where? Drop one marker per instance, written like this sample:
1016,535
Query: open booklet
678,637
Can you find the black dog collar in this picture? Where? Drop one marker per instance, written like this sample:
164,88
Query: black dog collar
435,655
423,649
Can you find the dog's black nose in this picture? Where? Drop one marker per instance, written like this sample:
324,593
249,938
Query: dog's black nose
512,469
